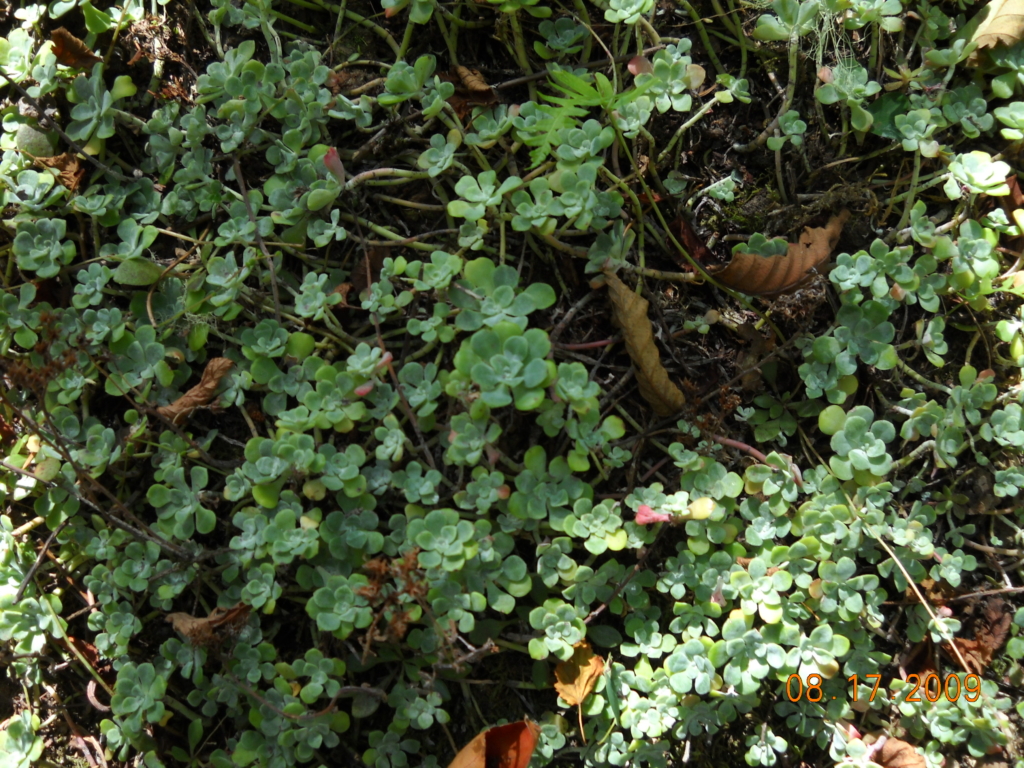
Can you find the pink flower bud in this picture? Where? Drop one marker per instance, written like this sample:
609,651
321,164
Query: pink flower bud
364,389
645,516
333,164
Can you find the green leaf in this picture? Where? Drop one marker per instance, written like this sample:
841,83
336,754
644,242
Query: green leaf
138,271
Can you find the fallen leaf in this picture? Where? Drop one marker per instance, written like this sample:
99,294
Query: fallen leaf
471,90
200,394
630,313
344,289
757,275
899,754
70,51
693,244
222,624
994,630
69,168
991,631
971,652
1001,22
460,103
575,678
473,81
503,746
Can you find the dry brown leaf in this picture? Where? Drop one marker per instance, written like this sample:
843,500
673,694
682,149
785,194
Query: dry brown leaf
994,631
503,746
344,289
694,245
575,678
1001,22
757,275
222,624
971,651
471,90
991,631
200,394
899,754
68,166
70,51
630,313
472,80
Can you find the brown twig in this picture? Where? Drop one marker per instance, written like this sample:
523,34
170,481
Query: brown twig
39,560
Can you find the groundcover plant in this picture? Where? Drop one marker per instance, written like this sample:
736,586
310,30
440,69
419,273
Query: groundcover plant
372,376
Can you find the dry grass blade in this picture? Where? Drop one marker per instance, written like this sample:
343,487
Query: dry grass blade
200,394
756,275
630,313
220,625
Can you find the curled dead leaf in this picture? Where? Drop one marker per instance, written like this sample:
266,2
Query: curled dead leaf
630,313
200,394
222,624
503,746
757,275
575,678
472,80
70,51
471,90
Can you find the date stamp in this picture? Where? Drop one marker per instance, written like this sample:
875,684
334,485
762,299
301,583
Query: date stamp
930,686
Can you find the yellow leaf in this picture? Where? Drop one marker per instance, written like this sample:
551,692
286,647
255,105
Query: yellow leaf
575,679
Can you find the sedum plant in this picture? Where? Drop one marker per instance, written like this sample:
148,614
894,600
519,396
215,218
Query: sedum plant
316,430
